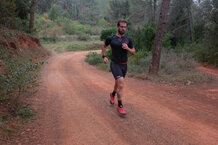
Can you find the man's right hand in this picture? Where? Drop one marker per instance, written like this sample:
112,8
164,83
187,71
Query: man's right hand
105,60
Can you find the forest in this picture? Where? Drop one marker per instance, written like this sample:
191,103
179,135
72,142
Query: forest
190,24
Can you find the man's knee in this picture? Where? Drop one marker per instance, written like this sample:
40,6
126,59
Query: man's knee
120,83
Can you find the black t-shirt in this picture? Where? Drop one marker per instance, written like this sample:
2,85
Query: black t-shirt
119,55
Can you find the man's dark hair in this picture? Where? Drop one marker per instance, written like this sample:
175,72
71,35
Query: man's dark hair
121,21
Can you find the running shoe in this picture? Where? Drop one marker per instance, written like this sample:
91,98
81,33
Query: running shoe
121,110
111,99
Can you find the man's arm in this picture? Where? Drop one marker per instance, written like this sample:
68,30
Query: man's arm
104,47
131,50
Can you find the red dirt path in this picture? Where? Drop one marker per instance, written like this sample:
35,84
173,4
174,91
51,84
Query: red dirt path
74,109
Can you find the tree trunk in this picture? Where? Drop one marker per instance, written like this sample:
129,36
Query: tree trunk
154,67
32,9
155,5
151,11
190,20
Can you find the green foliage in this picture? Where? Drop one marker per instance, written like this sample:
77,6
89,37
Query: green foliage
70,28
119,9
89,13
42,23
22,8
140,62
175,66
19,77
109,53
178,22
9,15
43,6
59,21
107,32
199,31
140,54
83,28
55,12
181,67
144,39
26,113
81,46
200,51
167,40
84,37
102,22
65,14
5,130
94,58
209,55
75,47
149,35
74,27
173,63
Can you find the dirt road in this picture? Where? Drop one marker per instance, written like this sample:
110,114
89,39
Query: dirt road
74,108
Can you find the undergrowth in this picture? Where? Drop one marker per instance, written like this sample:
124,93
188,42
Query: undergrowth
174,67
17,81
67,45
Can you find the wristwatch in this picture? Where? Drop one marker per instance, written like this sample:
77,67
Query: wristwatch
103,56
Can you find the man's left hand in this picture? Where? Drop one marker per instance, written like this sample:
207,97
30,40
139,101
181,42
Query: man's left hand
125,46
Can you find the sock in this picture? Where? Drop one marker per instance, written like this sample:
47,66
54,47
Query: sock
120,103
113,93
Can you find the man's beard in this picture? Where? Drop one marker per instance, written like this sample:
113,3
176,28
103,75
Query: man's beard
121,33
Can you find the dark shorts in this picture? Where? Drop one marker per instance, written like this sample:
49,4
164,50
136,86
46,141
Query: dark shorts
118,70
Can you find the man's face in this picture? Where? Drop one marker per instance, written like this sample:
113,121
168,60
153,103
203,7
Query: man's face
122,28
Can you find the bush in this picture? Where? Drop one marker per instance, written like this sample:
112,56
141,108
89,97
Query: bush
26,113
7,13
174,63
10,16
208,51
106,33
20,76
55,12
209,55
93,58
96,31
84,37
96,59
199,30
144,39
70,28
167,40
5,130
102,22
138,56
109,53
59,21
201,52
75,27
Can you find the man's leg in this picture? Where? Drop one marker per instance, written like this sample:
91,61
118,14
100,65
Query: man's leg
112,95
120,93
119,83
116,86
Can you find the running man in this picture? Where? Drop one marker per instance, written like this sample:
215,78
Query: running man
120,45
